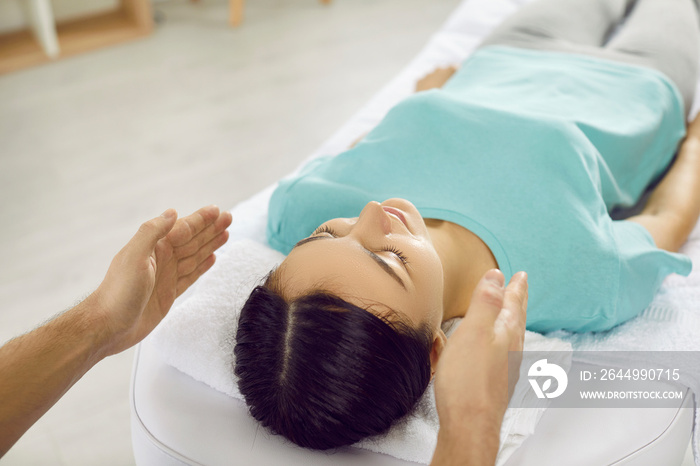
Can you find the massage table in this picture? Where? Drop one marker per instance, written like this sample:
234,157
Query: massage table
178,420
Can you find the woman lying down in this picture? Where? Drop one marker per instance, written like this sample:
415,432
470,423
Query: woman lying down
515,163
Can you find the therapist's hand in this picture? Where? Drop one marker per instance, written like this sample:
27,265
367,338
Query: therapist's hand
158,264
472,381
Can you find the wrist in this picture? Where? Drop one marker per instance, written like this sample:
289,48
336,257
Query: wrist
469,439
94,325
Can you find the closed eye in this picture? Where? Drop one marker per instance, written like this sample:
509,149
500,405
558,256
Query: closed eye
324,229
397,253
329,233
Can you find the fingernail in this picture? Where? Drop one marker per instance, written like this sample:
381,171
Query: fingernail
168,213
522,275
496,277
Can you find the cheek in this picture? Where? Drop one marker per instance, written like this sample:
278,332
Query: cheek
428,267
433,288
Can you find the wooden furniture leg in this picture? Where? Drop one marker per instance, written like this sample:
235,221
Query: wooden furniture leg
43,27
235,12
140,12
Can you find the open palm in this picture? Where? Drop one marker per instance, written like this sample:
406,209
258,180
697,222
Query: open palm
158,264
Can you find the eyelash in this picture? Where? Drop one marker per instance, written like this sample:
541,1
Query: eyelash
323,229
397,253
328,230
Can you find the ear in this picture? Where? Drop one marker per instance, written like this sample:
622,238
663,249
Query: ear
436,350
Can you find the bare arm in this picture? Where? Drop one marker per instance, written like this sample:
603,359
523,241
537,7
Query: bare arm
674,206
160,262
472,382
38,368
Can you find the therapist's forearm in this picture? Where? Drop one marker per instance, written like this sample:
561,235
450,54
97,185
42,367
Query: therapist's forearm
37,368
471,442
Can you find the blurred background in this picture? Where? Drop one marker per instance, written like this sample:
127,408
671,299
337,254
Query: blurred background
190,112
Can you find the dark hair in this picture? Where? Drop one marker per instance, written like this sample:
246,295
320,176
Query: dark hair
323,372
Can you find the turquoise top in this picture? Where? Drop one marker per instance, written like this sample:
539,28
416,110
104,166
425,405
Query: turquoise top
528,150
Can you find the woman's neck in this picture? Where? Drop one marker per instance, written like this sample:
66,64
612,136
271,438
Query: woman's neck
465,258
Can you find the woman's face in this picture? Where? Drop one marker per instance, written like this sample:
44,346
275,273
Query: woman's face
385,256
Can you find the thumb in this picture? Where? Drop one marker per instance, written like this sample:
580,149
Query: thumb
145,239
487,299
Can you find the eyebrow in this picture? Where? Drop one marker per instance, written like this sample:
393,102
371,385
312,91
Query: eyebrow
386,267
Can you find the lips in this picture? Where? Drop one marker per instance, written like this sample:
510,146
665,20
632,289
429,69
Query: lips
396,213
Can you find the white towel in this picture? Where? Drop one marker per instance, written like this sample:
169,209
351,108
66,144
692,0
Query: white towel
198,336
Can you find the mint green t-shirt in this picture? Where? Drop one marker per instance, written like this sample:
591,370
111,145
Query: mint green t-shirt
528,150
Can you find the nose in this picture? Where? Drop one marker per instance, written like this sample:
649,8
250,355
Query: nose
373,220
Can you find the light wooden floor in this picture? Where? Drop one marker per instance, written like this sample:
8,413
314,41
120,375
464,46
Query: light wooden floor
197,113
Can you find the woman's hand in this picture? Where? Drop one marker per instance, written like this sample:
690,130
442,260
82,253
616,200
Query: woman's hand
435,79
472,382
160,262
673,208
694,127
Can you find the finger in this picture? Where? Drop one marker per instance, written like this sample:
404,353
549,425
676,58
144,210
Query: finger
145,239
487,300
516,296
185,282
210,232
190,226
190,264
511,321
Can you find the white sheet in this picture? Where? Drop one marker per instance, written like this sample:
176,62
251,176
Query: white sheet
462,32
